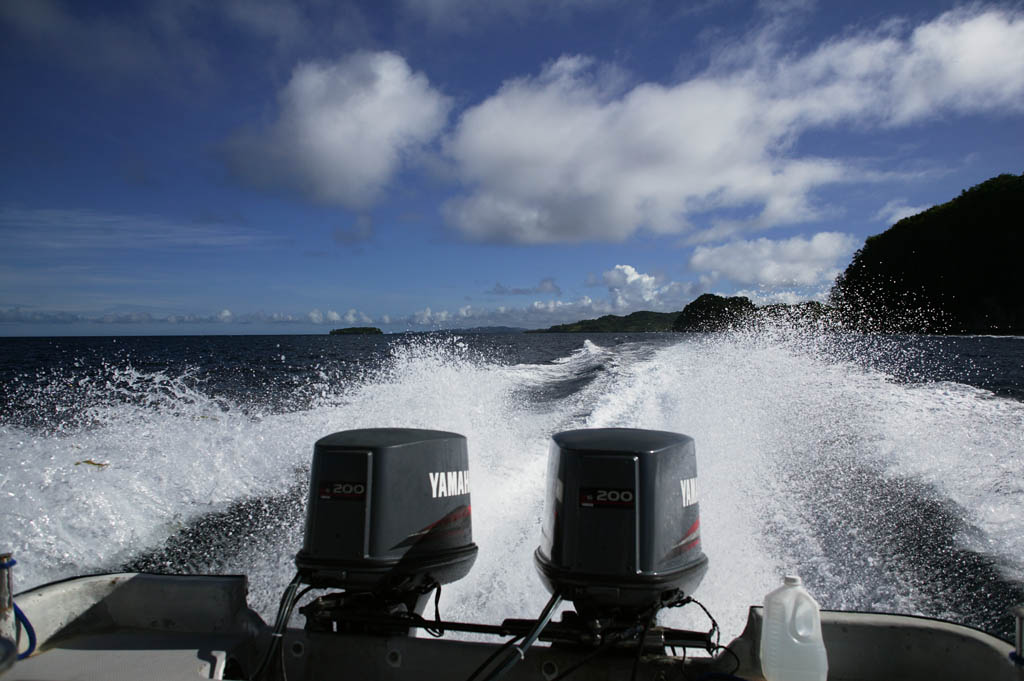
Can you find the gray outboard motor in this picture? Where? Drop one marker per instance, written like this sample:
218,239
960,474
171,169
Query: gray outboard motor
389,512
621,529
388,522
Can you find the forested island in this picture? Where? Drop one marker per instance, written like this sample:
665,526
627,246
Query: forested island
950,269
955,268
356,330
709,312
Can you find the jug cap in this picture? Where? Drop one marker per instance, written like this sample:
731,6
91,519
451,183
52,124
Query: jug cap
792,580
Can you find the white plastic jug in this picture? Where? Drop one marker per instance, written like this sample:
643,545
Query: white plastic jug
791,645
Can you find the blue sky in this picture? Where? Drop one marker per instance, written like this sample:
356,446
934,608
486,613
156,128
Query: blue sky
260,166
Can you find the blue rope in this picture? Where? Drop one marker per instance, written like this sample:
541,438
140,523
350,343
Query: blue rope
28,630
20,617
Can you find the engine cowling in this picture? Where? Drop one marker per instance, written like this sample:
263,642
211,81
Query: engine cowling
389,510
621,528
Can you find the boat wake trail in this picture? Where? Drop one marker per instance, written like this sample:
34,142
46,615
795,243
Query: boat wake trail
883,494
880,493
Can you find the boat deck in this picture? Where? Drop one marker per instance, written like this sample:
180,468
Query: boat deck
177,628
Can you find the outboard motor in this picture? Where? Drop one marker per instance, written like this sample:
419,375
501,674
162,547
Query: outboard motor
388,522
389,513
621,532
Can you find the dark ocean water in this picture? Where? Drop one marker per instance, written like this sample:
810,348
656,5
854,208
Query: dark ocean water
884,470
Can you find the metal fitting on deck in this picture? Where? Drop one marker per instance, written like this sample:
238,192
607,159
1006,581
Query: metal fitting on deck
8,623
8,620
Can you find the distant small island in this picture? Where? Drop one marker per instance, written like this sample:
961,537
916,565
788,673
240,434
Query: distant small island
632,323
356,330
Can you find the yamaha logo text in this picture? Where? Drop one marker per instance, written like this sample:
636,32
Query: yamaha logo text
689,487
448,483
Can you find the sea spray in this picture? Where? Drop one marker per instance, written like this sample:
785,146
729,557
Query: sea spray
799,451
824,453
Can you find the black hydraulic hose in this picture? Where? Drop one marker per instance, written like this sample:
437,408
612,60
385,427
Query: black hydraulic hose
640,647
529,640
437,631
492,657
284,613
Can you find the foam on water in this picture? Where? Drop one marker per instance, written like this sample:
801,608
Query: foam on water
82,499
783,429
788,438
170,454
970,446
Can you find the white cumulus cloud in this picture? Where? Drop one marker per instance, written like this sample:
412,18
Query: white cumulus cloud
628,290
343,129
897,209
773,263
427,317
631,290
564,157
353,315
